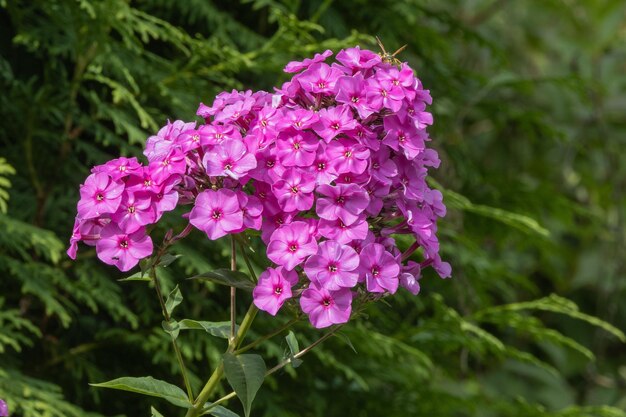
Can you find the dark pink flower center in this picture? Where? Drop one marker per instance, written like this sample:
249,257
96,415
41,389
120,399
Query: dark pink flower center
296,145
375,271
340,200
332,267
217,214
228,165
321,84
383,93
294,190
321,166
293,247
131,209
355,99
348,154
124,244
327,301
270,164
99,197
165,162
278,290
195,138
335,126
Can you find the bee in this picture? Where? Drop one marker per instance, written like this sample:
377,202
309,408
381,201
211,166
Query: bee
386,56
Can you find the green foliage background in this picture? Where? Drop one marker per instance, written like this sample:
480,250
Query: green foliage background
529,104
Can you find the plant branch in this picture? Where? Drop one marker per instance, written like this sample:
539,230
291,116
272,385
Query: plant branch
167,317
277,367
233,290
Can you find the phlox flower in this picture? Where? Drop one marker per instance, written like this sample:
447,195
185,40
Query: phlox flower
348,155
99,195
334,121
229,158
343,201
383,94
296,148
326,307
319,78
122,249
342,233
136,210
379,268
297,66
273,289
351,91
291,244
334,266
295,190
216,213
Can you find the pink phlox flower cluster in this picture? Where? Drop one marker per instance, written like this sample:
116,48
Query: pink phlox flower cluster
328,168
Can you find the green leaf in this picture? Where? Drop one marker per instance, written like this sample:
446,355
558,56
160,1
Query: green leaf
524,223
227,277
173,300
214,328
155,413
294,348
344,337
149,386
172,327
218,411
139,276
167,259
245,374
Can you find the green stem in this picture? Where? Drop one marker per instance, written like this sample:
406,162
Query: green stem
233,290
277,367
233,344
167,317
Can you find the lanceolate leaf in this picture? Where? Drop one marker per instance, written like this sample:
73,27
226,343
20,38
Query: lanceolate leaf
245,373
214,328
227,277
173,300
294,348
218,411
149,386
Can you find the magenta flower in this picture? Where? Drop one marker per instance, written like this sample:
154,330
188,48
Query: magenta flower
135,211
325,307
4,409
298,119
334,266
319,78
297,148
357,59
216,213
383,94
342,233
229,158
409,277
291,244
348,155
124,250
269,168
379,268
343,201
295,190
252,209
333,121
296,66
119,168
273,289
172,164
322,166
351,91
99,195
405,136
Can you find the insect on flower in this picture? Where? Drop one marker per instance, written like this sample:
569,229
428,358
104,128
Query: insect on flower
386,56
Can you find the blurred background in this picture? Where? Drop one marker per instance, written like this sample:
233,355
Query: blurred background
530,122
